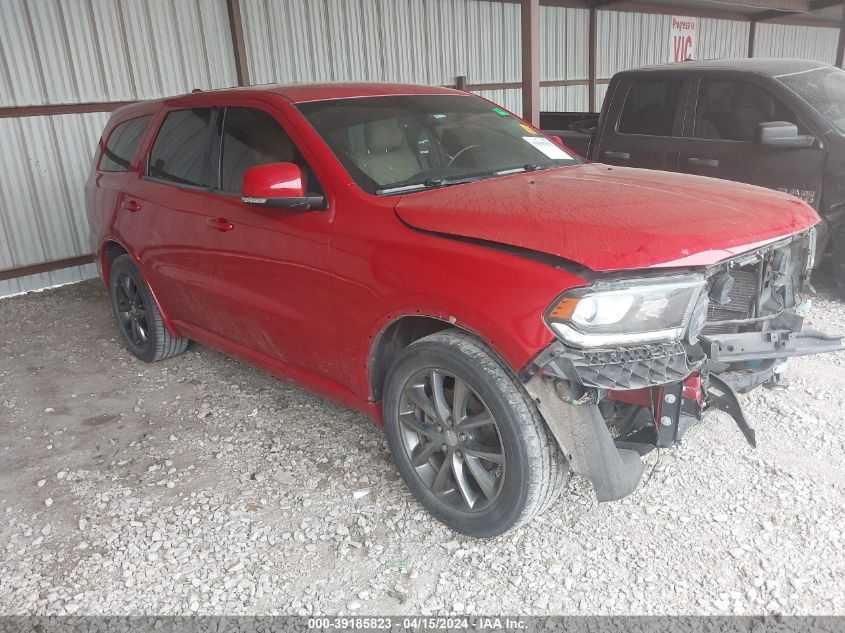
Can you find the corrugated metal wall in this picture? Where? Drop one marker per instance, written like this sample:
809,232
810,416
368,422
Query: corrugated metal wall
75,51
43,162
564,54
803,42
110,50
429,42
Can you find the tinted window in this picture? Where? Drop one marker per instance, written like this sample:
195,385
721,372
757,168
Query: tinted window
252,137
650,108
122,144
731,110
182,150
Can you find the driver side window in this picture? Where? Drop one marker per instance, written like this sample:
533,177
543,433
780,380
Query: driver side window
252,137
732,110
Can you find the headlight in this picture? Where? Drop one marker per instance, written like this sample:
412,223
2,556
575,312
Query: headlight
625,312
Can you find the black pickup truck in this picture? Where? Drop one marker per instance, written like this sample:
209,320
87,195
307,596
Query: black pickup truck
777,123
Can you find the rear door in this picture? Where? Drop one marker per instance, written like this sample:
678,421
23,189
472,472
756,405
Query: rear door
725,113
114,171
644,122
165,212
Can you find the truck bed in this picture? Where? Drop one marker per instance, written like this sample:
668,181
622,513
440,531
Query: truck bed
575,129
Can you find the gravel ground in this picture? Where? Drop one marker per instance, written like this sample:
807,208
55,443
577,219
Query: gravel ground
201,485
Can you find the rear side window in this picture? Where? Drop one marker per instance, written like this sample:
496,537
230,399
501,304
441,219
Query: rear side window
122,144
181,153
732,110
650,108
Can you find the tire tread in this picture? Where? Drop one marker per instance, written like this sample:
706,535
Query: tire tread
549,468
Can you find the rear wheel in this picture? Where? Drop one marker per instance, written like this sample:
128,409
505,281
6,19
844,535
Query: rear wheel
468,441
138,317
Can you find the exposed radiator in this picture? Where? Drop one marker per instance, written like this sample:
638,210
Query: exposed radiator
742,297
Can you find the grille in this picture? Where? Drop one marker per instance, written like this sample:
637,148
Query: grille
741,296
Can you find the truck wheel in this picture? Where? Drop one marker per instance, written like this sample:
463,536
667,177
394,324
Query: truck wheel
468,441
138,318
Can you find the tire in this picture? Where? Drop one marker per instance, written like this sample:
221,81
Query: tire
524,468
138,318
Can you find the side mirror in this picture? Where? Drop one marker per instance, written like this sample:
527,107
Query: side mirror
278,185
781,134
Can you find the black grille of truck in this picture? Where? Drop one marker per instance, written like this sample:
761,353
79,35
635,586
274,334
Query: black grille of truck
739,306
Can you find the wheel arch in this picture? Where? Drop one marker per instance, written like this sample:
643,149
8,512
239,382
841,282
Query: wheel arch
110,250
399,332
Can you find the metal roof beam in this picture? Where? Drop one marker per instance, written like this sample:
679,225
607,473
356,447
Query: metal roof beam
812,7
773,14
598,4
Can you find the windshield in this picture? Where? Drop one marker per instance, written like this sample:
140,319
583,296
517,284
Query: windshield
401,144
824,90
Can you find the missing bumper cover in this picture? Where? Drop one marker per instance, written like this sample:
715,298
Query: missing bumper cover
730,348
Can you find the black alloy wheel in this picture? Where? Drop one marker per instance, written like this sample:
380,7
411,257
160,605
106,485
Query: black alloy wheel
131,311
138,317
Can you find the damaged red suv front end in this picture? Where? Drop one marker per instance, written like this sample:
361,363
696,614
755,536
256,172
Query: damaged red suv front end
741,320
675,316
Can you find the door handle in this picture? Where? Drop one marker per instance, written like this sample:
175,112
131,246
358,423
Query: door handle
221,224
703,162
131,205
619,155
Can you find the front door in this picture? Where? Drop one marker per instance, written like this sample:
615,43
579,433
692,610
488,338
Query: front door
721,143
269,281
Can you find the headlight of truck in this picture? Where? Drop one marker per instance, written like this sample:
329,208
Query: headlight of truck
625,312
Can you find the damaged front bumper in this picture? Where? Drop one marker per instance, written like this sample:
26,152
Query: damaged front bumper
661,379
608,406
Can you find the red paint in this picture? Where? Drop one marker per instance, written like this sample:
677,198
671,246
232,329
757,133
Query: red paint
276,180
639,397
692,387
304,294
613,218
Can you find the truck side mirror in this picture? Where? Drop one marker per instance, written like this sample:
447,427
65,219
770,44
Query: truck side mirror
278,185
781,134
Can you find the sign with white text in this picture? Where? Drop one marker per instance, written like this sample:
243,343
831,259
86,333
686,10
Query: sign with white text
683,38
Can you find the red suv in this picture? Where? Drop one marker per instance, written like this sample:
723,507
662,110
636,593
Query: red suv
506,310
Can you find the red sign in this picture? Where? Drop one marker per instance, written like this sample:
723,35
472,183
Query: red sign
683,38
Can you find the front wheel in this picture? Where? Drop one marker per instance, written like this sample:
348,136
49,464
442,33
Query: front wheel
467,439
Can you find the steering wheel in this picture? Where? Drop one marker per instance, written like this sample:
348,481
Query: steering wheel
461,151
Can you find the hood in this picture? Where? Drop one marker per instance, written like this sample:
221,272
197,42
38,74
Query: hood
612,218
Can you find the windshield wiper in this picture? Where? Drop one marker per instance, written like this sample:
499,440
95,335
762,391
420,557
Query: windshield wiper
435,183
